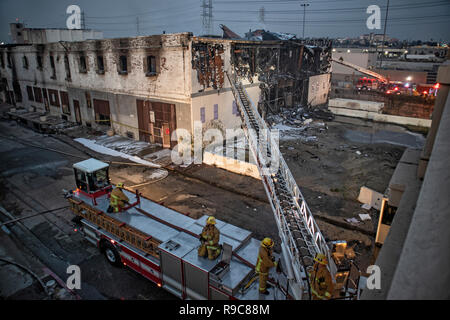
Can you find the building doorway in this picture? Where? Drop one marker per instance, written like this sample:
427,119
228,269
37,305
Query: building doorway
156,121
102,112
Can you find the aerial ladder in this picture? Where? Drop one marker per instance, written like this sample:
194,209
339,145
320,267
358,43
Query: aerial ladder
365,71
300,236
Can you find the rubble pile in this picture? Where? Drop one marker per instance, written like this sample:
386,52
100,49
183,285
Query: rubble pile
299,123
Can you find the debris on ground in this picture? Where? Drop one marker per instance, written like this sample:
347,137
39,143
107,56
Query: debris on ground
299,123
364,216
353,221
93,145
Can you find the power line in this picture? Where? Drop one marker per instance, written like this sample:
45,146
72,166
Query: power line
344,20
340,10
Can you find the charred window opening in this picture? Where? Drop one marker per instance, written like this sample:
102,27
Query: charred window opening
83,64
25,62
67,67
30,93
39,62
207,59
151,66
8,60
2,62
52,65
123,67
100,65
17,91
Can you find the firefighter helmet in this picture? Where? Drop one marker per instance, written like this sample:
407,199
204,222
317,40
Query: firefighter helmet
119,185
211,220
267,242
321,258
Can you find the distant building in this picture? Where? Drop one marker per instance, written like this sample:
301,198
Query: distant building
22,35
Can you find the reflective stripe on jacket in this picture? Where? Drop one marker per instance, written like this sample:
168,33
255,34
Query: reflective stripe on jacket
118,198
321,282
265,261
211,235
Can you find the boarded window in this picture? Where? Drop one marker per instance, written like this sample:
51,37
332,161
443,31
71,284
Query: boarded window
216,111
30,93
202,114
37,94
65,102
53,97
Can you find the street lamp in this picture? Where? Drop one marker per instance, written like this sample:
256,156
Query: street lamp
304,5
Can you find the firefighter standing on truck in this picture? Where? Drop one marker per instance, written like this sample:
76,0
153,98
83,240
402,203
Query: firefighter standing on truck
210,240
118,199
320,279
264,263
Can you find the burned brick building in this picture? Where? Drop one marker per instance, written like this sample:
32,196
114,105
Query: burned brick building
146,87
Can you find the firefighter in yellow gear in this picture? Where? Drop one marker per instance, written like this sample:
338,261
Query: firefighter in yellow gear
210,240
118,198
264,263
320,279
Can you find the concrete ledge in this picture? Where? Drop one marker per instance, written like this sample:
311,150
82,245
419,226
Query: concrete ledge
372,106
424,123
232,165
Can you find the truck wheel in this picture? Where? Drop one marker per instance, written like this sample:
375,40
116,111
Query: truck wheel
111,254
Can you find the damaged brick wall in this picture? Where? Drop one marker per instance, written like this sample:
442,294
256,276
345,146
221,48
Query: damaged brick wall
208,61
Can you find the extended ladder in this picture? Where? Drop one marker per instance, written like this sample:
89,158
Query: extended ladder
362,70
300,236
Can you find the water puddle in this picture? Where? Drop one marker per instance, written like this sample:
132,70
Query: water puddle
405,139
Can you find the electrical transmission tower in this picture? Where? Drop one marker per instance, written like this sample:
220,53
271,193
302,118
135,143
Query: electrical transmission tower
207,16
262,14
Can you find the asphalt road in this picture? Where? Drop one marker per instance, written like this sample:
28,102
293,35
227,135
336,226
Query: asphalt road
31,180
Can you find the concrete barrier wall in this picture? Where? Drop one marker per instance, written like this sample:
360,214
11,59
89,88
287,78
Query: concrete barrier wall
233,165
372,106
425,123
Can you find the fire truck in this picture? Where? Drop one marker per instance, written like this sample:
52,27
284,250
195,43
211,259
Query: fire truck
162,244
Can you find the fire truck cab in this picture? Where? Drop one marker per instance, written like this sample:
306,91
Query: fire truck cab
92,177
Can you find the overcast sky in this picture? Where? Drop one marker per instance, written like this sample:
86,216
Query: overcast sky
407,19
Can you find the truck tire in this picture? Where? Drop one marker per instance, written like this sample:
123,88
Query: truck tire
111,254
